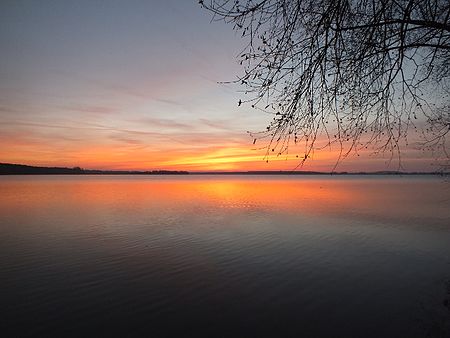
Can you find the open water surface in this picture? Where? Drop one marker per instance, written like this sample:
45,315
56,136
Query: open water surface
224,256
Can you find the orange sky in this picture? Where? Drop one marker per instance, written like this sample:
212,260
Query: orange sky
191,151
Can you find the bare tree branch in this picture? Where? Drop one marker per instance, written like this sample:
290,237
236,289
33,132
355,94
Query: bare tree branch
361,72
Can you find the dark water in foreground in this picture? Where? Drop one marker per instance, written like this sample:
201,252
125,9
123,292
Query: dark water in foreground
224,256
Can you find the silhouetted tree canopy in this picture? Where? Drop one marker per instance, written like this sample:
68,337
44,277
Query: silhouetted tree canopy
365,73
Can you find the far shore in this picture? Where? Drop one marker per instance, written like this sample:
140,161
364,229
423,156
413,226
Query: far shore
21,169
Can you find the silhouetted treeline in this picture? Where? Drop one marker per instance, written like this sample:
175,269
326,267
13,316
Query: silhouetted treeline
20,169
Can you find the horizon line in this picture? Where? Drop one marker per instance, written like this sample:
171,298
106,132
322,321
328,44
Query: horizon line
25,169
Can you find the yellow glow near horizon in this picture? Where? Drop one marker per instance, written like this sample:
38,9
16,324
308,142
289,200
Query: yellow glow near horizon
110,154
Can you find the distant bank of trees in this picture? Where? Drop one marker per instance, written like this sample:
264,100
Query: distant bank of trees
20,169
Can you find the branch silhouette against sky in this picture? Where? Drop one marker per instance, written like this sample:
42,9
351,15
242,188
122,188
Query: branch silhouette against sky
367,74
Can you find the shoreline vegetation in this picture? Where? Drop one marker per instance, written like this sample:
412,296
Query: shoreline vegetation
21,169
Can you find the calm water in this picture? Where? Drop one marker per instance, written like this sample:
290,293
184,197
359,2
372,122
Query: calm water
223,256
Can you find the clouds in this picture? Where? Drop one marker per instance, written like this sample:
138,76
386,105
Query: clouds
127,87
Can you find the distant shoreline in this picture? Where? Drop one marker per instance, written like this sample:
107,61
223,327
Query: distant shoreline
21,169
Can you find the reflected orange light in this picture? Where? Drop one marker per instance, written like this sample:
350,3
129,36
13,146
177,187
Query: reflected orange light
203,195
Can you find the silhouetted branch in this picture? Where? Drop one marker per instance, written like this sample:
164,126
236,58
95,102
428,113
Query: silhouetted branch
361,72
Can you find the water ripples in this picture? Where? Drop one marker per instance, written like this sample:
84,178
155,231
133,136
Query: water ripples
232,257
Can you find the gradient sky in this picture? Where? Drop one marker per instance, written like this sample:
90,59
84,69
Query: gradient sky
133,85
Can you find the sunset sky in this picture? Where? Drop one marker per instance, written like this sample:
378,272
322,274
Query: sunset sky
133,85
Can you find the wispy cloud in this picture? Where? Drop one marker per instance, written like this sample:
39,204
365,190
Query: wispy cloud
92,109
163,123
219,124
127,140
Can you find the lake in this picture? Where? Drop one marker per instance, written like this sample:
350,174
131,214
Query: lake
224,256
